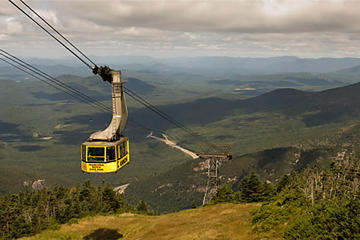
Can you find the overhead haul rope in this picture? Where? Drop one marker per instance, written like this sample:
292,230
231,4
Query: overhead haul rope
31,70
135,96
26,14
58,32
165,116
42,80
152,108
80,95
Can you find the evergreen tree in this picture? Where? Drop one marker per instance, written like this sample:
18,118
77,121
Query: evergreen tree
284,181
29,212
142,207
224,193
253,190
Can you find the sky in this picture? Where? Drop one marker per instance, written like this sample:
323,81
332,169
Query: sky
187,28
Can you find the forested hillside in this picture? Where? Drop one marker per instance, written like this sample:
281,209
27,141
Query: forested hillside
311,204
33,210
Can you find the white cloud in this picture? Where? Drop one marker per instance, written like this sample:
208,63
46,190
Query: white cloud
12,26
214,15
188,27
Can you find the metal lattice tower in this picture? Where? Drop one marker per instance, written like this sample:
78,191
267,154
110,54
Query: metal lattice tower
215,155
213,180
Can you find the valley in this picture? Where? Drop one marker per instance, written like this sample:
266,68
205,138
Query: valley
41,129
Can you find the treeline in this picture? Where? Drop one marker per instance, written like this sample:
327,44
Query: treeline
315,204
251,189
29,211
312,204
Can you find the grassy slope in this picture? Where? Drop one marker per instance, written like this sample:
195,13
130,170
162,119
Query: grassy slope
222,221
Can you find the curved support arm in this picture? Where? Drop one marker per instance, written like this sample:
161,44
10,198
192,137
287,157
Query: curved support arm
120,113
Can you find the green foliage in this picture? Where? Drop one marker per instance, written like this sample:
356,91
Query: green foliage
224,193
73,221
29,212
284,181
142,208
329,220
253,190
281,210
315,204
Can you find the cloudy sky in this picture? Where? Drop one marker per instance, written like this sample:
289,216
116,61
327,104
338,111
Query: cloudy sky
177,28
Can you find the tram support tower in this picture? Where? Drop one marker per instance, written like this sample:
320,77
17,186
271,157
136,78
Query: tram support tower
214,161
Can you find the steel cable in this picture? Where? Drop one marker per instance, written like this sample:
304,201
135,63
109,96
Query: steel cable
48,81
26,14
131,93
57,32
53,80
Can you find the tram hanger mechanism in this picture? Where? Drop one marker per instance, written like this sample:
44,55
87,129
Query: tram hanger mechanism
108,150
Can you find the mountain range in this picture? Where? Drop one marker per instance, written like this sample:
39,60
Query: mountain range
266,131
215,65
185,184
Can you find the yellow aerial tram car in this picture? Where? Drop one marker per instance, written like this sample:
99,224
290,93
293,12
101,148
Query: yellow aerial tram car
107,151
105,157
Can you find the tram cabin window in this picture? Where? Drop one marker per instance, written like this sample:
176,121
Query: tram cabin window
122,150
83,153
110,153
96,154
125,149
